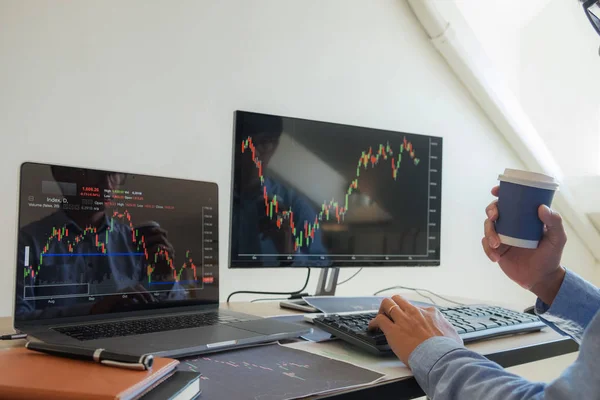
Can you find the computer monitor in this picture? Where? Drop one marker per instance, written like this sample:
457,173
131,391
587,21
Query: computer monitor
317,194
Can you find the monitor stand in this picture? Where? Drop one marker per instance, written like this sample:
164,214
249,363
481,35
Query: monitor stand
326,286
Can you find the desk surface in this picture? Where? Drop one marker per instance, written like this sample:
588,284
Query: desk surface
269,309
507,351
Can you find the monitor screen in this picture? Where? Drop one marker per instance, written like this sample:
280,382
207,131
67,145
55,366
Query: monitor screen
101,242
317,194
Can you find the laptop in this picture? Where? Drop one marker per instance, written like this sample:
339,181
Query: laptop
125,262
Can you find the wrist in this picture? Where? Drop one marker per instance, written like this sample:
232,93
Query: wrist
547,289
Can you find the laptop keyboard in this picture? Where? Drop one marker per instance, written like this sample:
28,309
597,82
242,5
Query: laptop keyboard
141,326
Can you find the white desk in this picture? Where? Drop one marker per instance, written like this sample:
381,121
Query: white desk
398,382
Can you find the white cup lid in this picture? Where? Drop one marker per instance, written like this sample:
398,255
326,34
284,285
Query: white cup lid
527,178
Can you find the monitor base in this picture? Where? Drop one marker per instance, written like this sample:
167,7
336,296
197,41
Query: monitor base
298,305
328,279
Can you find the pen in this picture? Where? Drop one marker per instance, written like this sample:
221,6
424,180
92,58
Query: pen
101,356
13,336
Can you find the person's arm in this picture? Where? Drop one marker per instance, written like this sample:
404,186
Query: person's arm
573,308
428,344
566,302
446,370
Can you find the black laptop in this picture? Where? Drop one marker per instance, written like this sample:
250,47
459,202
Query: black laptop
125,262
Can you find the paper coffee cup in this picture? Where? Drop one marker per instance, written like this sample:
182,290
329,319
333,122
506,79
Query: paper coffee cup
520,196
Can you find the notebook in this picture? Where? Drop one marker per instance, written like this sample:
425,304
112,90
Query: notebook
182,385
26,374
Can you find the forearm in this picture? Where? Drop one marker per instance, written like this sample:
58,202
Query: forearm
446,370
572,308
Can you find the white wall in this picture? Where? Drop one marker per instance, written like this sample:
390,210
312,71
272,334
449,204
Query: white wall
548,52
151,87
558,84
498,24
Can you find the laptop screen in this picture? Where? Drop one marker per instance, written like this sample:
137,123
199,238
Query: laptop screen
100,242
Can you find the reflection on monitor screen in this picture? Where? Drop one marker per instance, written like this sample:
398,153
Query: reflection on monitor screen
97,242
316,194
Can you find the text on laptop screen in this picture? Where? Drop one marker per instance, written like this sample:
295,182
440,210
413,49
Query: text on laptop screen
99,242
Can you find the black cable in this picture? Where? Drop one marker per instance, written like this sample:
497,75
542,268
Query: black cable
272,293
416,290
344,281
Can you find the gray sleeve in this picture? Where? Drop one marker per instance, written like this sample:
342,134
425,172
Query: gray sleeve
446,370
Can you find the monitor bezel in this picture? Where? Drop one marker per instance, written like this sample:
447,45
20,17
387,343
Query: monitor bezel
235,174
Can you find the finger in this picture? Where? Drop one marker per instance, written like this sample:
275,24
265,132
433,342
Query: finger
554,225
550,218
440,320
405,304
395,313
490,234
496,191
381,307
381,322
388,306
492,254
492,210
428,313
143,293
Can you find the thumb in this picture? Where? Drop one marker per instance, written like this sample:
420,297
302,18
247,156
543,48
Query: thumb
553,221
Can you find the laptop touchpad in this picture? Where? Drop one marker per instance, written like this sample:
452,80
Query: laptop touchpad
269,326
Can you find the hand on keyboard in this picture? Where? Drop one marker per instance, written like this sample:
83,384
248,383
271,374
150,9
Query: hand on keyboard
406,326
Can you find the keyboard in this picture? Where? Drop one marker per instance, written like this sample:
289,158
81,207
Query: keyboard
471,322
141,326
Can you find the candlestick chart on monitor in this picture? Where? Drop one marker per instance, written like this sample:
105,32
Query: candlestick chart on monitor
332,209
319,194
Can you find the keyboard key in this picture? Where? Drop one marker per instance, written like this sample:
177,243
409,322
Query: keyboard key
142,326
500,322
478,326
490,324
